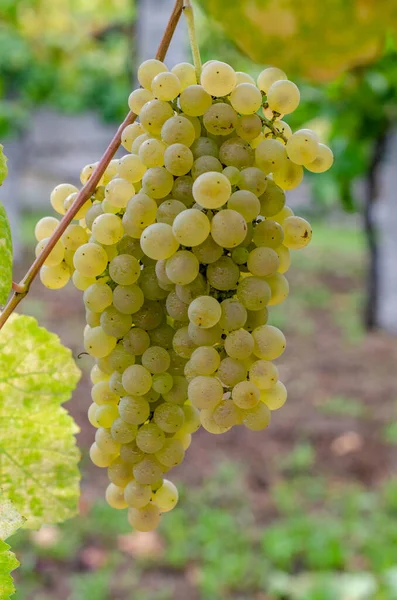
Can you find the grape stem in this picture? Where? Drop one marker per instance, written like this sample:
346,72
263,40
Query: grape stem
21,289
189,14
270,125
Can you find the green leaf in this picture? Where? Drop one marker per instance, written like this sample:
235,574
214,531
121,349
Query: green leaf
10,521
3,165
38,453
5,253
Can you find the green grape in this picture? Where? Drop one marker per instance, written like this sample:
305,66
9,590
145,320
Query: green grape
97,375
59,195
186,74
268,76
157,182
245,394
97,297
228,228
246,99
283,97
137,143
123,432
115,496
240,255
149,316
249,127
204,337
279,288
192,419
205,391
226,414
272,201
100,458
162,336
268,234
182,268
151,152
178,392
138,98
148,71
204,146
56,255
98,343
115,323
204,311
284,257
220,119
208,423
144,519
162,383
86,172
254,180
263,374
195,101
105,441
182,344
106,414
233,315
233,175
158,241
289,176
124,269
169,417
283,214
239,344
171,454
256,318
129,134
211,190
253,293
134,410
187,293
256,418
131,168
156,359
178,159
150,285
111,251
275,397
118,360
115,382
93,319
205,164
45,227
91,415
246,203
243,78
90,260
150,438
297,233
119,472
190,228
302,146
178,130
102,394
263,262
148,470
270,155
168,210
182,190
154,114
128,299
166,86
205,360
92,213
166,497
119,191
136,341
141,210
323,160
218,78
137,494
231,371
130,453
269,341
208,251
74,237
223,274
137,380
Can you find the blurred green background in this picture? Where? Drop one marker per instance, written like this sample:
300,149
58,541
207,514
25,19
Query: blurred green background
307,509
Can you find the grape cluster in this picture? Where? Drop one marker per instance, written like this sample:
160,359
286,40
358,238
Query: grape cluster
179,252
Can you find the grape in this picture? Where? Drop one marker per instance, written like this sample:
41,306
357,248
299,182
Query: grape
124,269
98,343
190,228
218,78
279,288
151,152
46,226
257,418
240,255
168,210
233,175
186,74
115,496
148,71
169,417
134,410
246,203
141,212
117,361
102,394
253,293
162,336
131,168
208,423
97,375
220,119
192,418
323,160
249,127
56,255
302,146
106,414
284,258
283,96
283,214
195,101
136,341
245,394
263,374
182,344
270,156
166,497
208,251
119,472
256,318
272,200
159,240
130,453
236,152
178,130
150,285
105,441
59,195
166,86
204,164
243,78
253,180
115,323
204,311
178,159
122,431
182,190
128,299
138,98
297,233
231,371
223,274
246,99
136,146
91,415
228,228
90,260
205,391
269,76
149,316
289,176
162,383
74,237
93,319
204,146
154,114
156,359
226,414
233,316
150,438
182,268
263,261
144,519
100,458
269,342
239,344
137,495
97,297
275,397
129,134
137,380
204,337
269,234
205,360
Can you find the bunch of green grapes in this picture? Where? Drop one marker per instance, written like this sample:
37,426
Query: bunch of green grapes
179,253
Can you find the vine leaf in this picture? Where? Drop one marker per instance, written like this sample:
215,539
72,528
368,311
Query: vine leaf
5,240
10,521
38,453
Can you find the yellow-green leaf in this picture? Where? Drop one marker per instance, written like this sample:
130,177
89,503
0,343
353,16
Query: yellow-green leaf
5,254
38,453
10,521
3,165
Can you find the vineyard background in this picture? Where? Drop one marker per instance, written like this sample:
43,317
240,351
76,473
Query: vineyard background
307,509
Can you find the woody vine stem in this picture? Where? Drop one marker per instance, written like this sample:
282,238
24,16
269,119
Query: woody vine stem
22,288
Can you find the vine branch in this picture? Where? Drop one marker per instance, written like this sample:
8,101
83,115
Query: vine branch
21,289
189,14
